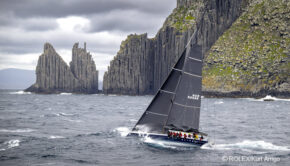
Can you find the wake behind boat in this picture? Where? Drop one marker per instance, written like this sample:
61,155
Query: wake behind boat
174,112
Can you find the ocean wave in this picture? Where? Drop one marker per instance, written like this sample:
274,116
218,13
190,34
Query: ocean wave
246,145
10,144
218,102
20,93
268,98
89,134
64,114
65,94
55,137
168,144
123,131
13,143
158,143
17,131
72,120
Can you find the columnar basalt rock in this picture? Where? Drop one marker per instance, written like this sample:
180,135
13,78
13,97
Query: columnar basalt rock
131,72
53,75
213,18
84,69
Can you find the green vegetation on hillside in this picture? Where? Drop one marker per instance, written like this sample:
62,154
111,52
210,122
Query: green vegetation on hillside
183,18
253,54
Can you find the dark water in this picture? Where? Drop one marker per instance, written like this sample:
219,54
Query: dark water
90,130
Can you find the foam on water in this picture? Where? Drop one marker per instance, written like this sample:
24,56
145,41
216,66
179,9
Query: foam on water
167,144
64,114
246,145
123,131
218,102
65,94
13,143
55,137
10,144
268,97
16,131
20,93
158,143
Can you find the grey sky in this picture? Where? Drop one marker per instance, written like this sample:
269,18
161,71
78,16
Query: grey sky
26,25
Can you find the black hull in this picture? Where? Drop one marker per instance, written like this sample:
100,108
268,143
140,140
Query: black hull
170,139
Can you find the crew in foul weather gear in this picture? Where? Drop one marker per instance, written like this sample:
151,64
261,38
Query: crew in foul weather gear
201,138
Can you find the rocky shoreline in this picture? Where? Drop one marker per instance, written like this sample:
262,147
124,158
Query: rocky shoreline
240,94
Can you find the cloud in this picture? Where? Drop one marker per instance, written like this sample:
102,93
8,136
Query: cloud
27,24
26,61
25,42
63,8
130,21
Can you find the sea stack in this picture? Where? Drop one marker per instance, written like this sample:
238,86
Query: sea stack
53,75
84,69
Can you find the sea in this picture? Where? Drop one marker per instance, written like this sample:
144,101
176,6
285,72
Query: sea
73,129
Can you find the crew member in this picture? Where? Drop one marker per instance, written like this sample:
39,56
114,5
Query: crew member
201,138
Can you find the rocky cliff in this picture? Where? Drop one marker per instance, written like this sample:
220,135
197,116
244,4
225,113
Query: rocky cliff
252,57
131,70
53,75
142,64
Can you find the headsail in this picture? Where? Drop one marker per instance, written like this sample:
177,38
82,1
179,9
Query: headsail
177,103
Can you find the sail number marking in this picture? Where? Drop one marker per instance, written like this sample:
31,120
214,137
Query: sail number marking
193,97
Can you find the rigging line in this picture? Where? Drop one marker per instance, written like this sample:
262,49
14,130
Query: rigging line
192,74
193,35
185,105
176,69
194,59
167,91
197,28
214,116
156,113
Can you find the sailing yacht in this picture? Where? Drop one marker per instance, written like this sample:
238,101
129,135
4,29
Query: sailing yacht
174,112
